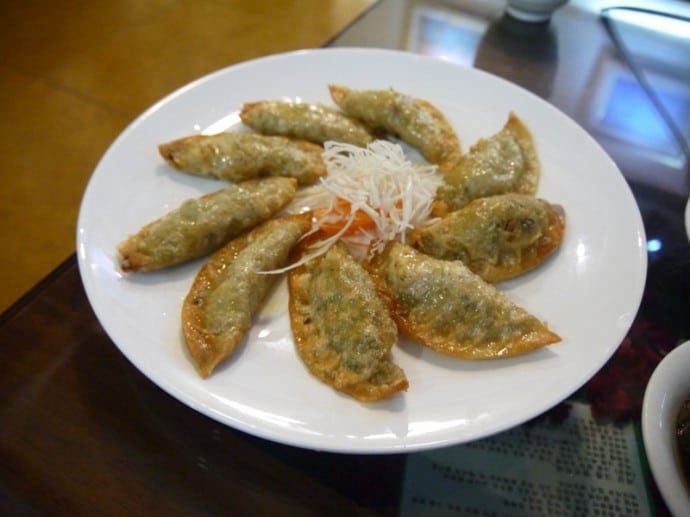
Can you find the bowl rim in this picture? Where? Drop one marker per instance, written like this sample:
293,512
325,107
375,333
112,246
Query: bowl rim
687,218
668,386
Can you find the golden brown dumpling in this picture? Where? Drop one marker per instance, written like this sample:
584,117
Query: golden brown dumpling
505,162
416,121
497,237
202,225
313,122
237,156
443,305
218,310
343,331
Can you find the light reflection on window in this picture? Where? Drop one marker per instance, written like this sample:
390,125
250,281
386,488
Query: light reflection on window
440,34
666,25
623,111
630,112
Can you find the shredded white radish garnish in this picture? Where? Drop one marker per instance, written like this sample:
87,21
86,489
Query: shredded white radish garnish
381,182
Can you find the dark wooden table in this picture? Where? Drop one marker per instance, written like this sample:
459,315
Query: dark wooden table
82,431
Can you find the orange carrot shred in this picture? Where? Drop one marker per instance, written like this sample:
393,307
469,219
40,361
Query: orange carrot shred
331,221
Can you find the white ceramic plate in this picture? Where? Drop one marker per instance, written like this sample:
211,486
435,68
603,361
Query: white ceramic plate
667,388
589,292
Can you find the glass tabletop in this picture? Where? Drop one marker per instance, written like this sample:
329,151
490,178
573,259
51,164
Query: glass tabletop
83,429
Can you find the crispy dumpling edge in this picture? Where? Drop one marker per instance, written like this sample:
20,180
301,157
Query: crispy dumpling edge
196,339
400,314
364,391
491,273
528,180
448,155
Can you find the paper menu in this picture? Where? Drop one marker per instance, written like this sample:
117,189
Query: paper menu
575,467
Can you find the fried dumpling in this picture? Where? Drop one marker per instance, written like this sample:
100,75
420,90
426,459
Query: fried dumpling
202,225
497,237
504,162
443,305
416,121
238,156
313,122
226,293
342,329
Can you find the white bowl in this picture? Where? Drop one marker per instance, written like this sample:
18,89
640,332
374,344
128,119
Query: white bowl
668,386
687,218
533,10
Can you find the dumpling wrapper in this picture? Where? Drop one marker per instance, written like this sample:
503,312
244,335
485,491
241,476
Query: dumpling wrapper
502,163
218,310
201,225
497,237
415,121
443,305
343,331
238,156
313,122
